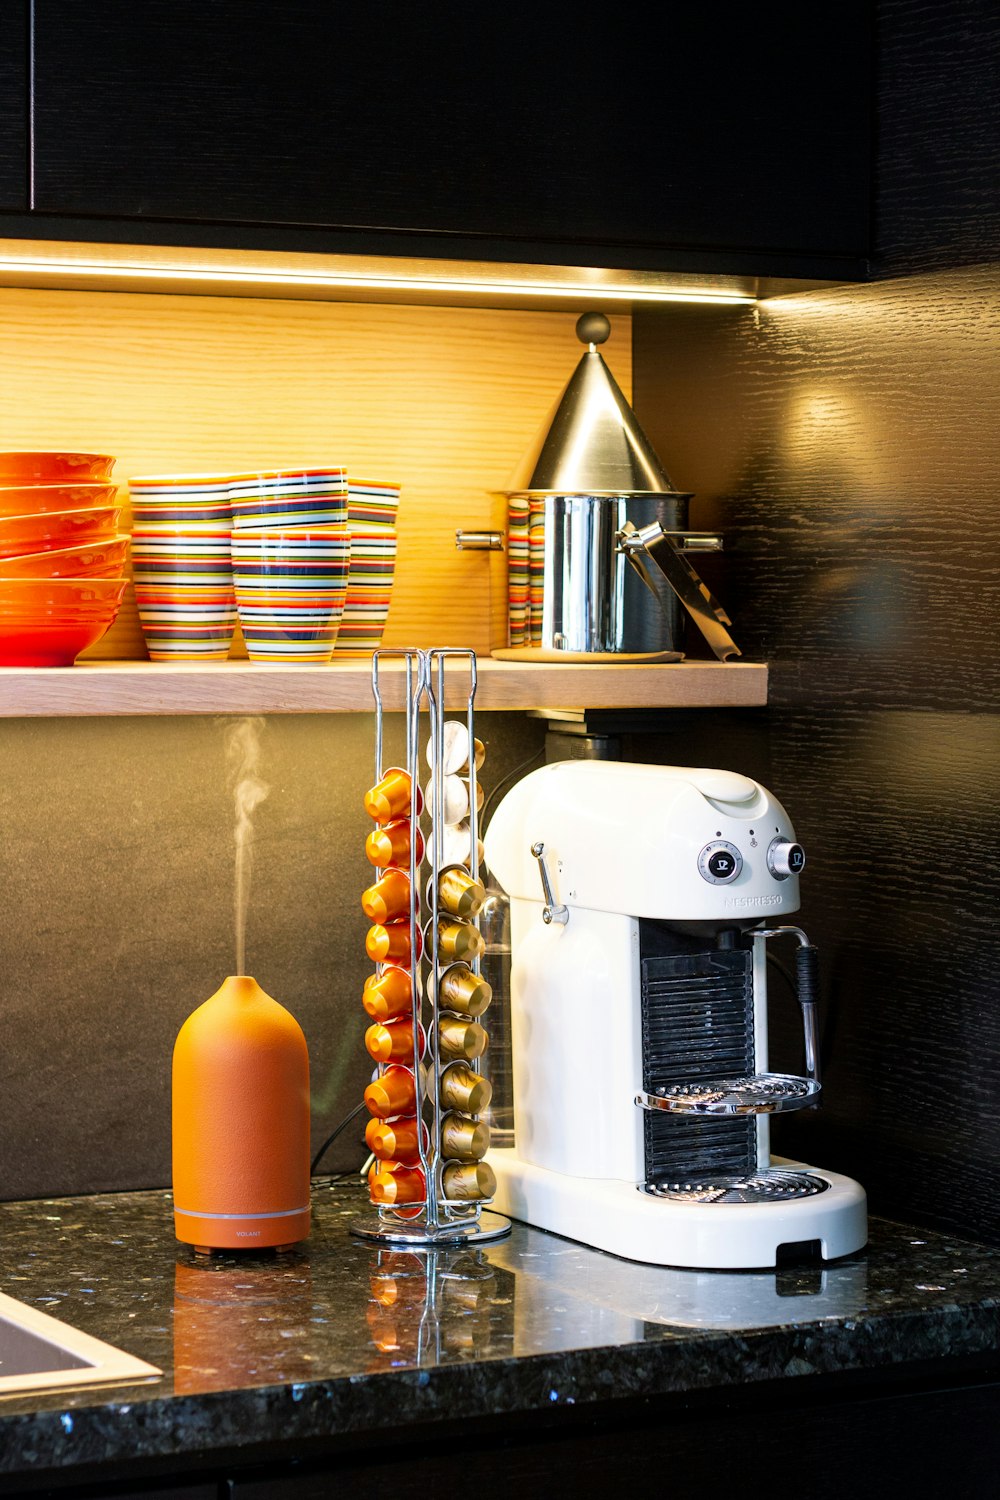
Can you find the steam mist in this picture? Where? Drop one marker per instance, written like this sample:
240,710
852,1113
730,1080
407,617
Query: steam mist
249,791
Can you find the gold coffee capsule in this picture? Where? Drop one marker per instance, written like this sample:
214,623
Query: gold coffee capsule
457,939
459,989
464,1089
463,1139
460,1041
459,894
470,1296
468,1181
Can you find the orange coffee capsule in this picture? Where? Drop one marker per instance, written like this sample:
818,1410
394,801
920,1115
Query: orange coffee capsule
395,1185
384,1290
394,1142
391,943
391,845
391,1043
388,899
390,797
394,1093
388,995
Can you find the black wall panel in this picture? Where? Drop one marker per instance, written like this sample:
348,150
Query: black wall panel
661,127
14,104
846,443
938,199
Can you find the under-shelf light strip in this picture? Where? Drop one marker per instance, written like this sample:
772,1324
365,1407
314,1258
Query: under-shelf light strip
249,276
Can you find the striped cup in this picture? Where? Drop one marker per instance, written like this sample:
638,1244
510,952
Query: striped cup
291,584
184,591
372,507
197,502
279,498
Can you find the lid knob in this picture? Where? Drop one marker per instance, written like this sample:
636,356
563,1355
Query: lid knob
593,328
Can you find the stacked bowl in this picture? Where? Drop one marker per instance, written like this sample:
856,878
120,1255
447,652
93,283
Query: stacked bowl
182,566
62,558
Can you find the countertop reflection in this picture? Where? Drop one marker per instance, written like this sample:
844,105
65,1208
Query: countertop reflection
339,1335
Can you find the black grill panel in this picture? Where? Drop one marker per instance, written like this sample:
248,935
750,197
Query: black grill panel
697,1025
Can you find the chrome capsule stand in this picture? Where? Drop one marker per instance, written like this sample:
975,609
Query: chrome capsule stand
438,1221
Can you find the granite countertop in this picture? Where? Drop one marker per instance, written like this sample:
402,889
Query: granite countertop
338,1338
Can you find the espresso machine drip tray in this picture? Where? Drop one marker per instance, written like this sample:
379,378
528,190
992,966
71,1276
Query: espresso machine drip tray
762,1094
773,1186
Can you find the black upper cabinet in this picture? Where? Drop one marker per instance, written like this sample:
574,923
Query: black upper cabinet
14,104
663,127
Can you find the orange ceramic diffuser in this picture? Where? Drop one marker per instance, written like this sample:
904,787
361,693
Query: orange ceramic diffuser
241,1123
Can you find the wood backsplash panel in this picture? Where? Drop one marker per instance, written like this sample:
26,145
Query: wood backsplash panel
444,400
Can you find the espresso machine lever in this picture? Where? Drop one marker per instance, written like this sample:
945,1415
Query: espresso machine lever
552,911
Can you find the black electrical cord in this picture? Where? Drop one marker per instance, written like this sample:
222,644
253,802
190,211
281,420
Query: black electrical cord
333,1136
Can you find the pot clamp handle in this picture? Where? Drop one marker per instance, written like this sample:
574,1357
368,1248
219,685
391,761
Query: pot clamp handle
701,604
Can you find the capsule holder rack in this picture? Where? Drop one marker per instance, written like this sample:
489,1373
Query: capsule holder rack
439,1220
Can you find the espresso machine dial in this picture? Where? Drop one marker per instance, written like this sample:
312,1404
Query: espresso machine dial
785,857
720,862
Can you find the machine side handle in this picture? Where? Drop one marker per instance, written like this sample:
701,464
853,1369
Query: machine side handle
807,975
700,603
552,911
807,988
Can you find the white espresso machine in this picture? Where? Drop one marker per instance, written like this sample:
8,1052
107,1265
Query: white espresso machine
642,901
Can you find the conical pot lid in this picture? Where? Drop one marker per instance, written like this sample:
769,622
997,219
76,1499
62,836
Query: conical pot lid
591,442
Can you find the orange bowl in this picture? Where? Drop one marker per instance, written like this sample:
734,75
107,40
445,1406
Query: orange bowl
59,528
54,468
100,559
52,644
33,499
47,622
66,598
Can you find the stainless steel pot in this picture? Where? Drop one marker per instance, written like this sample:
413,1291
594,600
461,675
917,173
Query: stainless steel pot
590,506
592,601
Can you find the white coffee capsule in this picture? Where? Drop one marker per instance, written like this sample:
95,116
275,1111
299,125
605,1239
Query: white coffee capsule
455,749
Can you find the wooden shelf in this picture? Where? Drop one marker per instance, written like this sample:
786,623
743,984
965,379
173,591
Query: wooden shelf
94,688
